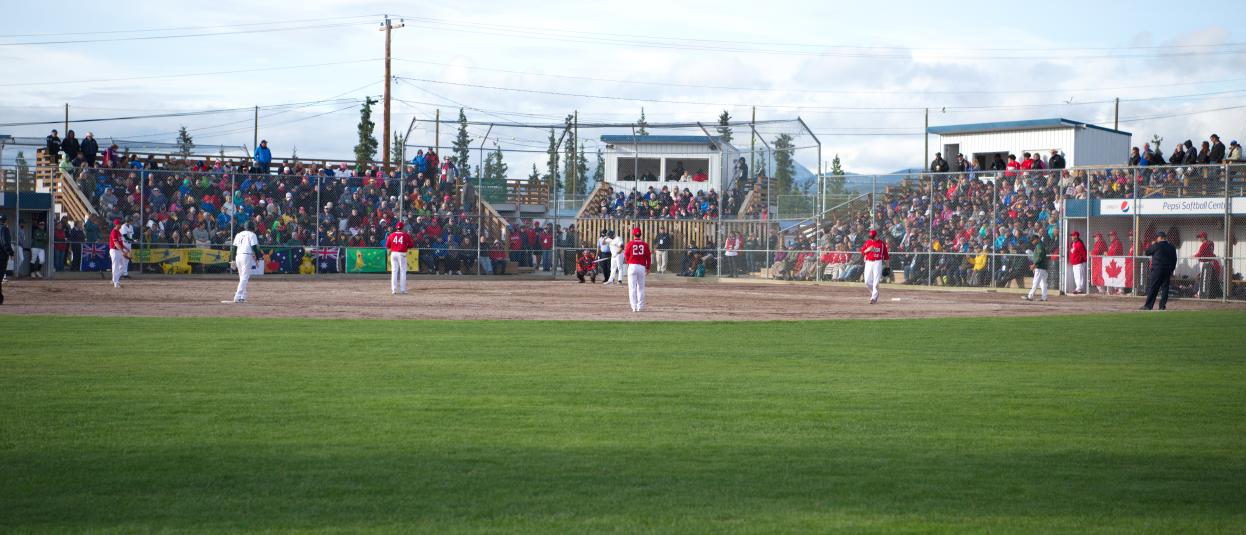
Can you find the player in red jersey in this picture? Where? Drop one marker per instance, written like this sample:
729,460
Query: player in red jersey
639,257
397,243
875,253
117,252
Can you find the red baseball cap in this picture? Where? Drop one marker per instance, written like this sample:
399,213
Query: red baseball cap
1075,234
116,221
1202,234
873,233
398,225
636,231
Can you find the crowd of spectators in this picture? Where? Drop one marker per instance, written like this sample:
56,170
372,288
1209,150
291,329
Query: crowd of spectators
665,203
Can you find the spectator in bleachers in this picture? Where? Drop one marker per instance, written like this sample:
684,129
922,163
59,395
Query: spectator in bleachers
1216,154
263,157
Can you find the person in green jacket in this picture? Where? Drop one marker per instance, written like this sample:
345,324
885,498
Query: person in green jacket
1038,261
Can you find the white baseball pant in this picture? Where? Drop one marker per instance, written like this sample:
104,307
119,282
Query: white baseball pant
398,272
873,275
636,286
1040,282
243,263
1079,277
616,268
118,263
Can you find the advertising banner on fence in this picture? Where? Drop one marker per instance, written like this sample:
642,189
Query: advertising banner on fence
1190,206
413,261
366,260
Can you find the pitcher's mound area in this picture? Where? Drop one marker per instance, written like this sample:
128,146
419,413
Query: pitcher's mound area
669,298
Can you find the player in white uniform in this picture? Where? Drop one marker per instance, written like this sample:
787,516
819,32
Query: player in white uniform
245,249
617,262
127,235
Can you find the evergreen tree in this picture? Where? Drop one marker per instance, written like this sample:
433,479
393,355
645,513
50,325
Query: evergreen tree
534,179
724,126
642,123
365,150
1155,143
294,154
496,168
834,183
185,144
581,172
23,167
551,163
462,147
599,174
575,181
784,164
395,149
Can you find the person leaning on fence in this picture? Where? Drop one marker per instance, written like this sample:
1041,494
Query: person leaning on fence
1038,260
1208,269
661,246
1077,262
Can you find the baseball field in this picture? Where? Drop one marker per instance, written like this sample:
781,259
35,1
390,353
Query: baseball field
1109,422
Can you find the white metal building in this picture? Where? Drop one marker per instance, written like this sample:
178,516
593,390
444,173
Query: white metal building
643,161
1081,143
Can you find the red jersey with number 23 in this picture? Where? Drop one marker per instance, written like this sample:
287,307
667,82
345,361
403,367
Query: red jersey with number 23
398,242
638,252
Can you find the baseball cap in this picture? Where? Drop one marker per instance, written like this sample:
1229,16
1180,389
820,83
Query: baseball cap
399,225
636,231
873,233
1076,234
1202,234
116,221
1162,234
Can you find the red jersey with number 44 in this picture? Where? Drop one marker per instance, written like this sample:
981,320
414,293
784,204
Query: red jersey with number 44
638,252
875,250
399,242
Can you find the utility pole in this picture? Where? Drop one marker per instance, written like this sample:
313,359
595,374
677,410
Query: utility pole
64,132
926,134
1116,121
386,27
437,133
255,135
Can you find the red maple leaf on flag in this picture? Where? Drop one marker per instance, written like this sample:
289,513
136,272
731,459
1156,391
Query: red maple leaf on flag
1112,269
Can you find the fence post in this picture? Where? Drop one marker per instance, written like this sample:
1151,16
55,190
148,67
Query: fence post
1225,279
142,204
319,210
994,230
930,234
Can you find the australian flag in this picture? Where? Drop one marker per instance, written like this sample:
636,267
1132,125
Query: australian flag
283,260
95,257
326,259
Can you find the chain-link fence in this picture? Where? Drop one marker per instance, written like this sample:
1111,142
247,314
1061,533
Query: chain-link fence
1087,229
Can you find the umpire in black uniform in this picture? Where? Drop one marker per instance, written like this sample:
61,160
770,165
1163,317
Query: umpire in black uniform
1163,262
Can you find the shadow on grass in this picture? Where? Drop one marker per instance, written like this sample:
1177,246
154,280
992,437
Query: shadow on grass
229,488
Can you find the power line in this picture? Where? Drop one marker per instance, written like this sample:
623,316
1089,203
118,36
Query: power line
189,75
184,35
820,91
161,115
789,107
182,28
655,42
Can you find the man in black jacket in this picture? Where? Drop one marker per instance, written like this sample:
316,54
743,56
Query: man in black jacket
90,149
1163,262
6,250
54,147
662,246
1056,161
938,165
1217,150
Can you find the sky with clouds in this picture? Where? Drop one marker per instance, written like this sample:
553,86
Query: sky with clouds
859,74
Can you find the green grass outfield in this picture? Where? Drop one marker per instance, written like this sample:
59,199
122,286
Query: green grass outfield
1114,423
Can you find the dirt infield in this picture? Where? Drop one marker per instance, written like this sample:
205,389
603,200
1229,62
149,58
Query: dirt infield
670,298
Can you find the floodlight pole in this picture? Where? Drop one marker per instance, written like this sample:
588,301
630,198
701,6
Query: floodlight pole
479,203
817,218
402,170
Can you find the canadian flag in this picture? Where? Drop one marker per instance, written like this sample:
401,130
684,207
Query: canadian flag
1113,271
